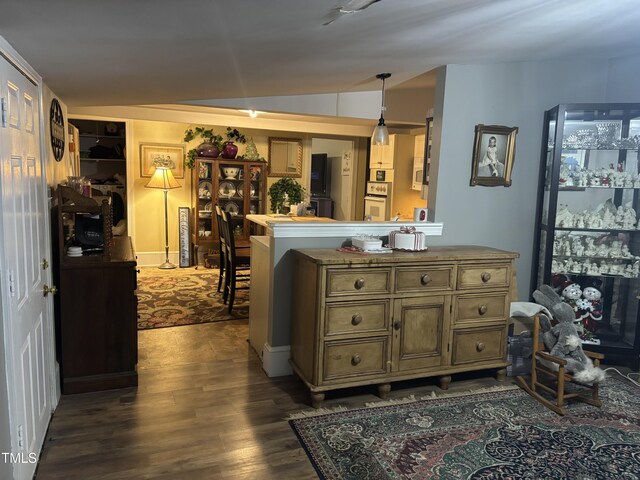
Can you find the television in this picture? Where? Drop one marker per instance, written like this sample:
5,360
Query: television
319,175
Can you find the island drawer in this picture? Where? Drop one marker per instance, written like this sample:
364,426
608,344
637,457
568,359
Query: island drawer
426,278
349,358
371,316
361,281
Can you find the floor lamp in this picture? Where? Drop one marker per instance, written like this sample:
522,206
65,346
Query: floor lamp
163,178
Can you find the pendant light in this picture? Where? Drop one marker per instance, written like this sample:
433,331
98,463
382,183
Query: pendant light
381,132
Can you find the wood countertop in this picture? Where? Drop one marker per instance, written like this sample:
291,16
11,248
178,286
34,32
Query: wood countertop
328,256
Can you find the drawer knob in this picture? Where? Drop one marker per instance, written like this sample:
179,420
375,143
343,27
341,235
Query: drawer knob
486,276
424,279
356,319
355,360
359,283
482,309
397,324
479,346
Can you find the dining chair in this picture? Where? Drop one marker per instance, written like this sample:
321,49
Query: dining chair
237,263
222,248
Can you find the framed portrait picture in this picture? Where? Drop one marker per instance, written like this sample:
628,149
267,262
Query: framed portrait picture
493,154
150,152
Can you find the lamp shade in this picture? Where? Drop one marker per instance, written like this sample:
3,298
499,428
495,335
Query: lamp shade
163,178
380,134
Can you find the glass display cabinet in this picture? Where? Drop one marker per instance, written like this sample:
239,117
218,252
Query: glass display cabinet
588,234
238,187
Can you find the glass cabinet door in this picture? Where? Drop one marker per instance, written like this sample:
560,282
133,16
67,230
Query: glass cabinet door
231,192
588,227
204,203
257,179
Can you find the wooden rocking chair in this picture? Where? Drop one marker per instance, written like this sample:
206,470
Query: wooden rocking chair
554,382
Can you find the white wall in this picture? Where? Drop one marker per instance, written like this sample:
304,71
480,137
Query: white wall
622,82
511,94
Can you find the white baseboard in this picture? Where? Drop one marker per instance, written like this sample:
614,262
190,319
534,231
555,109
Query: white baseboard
153,259
275,360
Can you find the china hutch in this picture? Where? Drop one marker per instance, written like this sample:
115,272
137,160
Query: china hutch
238,187
588,231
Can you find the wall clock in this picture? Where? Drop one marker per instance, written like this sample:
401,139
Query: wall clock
56,124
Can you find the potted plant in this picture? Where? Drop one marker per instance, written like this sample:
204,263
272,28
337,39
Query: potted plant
285,189
229,149
210,147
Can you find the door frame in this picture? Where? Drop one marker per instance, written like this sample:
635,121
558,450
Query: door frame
22,67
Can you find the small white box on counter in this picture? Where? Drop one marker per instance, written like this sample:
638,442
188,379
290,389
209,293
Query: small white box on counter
367,243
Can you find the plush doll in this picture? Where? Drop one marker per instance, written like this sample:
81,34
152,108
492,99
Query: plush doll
571,294
562,340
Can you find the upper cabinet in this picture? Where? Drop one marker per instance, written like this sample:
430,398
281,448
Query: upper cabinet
385,157
588,233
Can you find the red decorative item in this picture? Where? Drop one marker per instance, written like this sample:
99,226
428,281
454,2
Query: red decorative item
229,150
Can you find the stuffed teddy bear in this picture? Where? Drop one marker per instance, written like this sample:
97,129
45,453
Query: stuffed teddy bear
562,340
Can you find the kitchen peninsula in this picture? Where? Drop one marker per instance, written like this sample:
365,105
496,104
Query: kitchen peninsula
272,274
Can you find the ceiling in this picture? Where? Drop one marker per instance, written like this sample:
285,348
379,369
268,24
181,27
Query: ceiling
126,52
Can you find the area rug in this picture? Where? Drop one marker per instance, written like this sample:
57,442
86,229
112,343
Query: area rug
184,296
491,435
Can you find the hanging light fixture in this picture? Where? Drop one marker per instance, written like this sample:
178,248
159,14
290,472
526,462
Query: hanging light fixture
381,132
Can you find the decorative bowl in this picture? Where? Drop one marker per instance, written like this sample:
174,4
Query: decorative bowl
230,172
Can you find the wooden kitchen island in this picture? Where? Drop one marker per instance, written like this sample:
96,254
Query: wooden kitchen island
372,319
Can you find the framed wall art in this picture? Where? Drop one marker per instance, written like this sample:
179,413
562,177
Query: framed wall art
493,153
151,152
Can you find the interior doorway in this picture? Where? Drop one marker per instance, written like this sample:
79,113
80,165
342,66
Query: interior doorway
333,176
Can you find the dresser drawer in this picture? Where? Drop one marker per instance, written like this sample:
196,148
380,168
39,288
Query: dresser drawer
419,279
484,276
357,317
481,307
349,358
477,345
362,281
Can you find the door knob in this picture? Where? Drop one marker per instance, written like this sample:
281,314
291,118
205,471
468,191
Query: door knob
482,309
397,324
479,346
45,264
356,319
425,279
359,283
355,360
46,290
486,276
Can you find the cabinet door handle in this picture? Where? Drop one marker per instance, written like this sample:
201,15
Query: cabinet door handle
138,270
359,283
424,279
397,324
479,346
356,319
486,276
482,309
355,360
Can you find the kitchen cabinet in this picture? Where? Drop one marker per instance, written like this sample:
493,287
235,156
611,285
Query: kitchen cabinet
587,221
385,157
371,320
238,187
95,305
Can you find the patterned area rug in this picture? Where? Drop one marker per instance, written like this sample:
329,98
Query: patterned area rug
184,296
492,435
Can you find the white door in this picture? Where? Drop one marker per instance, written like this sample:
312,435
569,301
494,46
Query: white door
26,321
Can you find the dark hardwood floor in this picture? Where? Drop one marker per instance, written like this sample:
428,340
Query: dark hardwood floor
203,409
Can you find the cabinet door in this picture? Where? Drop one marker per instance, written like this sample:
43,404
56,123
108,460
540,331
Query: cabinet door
375,156
420,327
387,153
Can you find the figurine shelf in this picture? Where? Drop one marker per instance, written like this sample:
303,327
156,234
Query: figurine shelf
588,231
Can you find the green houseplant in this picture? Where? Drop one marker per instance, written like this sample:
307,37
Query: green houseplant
230,149
283,189
210,147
